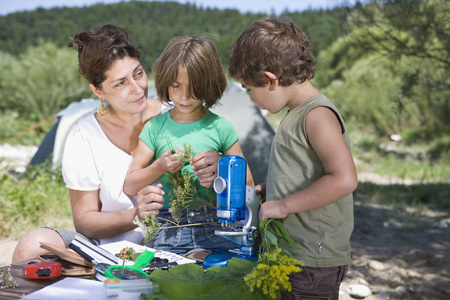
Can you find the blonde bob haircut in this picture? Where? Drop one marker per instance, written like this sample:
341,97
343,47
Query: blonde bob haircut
200,58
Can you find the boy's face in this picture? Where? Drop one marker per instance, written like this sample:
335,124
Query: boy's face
264,97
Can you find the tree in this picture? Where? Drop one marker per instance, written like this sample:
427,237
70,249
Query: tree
420,31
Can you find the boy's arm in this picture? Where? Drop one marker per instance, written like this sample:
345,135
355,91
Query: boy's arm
236,150
325,135
140,174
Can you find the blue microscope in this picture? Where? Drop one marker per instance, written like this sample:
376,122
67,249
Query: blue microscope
237,211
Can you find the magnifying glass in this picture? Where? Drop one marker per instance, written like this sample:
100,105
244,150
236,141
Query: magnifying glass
131,272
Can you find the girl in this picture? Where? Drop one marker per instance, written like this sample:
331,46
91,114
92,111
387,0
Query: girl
189,75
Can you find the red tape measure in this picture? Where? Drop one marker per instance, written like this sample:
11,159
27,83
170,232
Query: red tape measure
43,270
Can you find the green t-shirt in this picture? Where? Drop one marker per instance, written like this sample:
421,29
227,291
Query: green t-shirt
211,132
322,234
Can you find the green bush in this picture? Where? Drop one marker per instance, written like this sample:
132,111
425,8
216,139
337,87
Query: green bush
41,82
38,199
16,130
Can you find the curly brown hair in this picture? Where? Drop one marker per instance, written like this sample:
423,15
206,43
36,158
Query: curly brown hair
274,46
98,48
200,58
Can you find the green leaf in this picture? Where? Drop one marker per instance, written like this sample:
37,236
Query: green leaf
271,239
283,234
191,281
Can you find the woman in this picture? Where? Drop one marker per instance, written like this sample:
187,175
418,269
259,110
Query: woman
100,148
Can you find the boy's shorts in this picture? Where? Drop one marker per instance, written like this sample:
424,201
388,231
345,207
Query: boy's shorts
69,235
316,283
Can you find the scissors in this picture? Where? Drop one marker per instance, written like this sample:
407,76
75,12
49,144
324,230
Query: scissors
131,272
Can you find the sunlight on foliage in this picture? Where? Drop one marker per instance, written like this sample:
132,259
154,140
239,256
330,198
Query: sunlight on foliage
40,198
42,81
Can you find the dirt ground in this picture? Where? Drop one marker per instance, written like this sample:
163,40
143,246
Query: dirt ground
400,255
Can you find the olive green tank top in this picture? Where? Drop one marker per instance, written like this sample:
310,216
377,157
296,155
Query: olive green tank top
322,234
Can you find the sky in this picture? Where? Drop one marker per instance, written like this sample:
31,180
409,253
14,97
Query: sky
253,6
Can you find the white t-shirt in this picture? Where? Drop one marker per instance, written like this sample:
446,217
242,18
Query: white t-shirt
91,162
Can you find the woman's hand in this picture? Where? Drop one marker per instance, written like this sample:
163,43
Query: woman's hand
204,165
150,200
170,162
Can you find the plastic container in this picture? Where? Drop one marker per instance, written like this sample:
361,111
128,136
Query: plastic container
129,289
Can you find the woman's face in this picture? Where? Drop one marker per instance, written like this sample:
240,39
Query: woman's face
126,86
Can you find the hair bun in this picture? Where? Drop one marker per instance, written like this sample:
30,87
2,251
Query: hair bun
74,44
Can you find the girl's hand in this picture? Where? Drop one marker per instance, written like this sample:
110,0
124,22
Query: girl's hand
204,165
150,200
261,189
170,162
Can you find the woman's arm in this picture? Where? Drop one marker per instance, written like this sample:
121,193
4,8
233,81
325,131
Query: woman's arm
236,150
91,222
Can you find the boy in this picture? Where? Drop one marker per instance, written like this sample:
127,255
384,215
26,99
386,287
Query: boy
311,174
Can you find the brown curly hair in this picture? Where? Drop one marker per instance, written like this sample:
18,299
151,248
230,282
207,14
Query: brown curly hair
98,48
271,45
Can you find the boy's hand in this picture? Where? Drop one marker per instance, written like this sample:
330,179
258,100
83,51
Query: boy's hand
204,165
170,162
150,200
272,210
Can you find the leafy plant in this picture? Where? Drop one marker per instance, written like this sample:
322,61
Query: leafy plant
191,281
240,277
149,225
6,280
183,192
37,199
271,274
24,88
17,130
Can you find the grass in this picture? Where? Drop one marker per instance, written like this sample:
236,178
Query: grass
424,162
16,130
39,198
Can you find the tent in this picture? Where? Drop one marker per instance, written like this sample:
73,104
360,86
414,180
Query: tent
254,131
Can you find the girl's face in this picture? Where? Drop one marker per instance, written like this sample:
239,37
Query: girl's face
126,86
180,95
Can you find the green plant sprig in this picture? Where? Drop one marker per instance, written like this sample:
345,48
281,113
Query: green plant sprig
182,194
274,266
151,229
184,190
6,280
274,235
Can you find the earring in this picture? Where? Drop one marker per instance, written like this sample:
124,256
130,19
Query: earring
102,110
